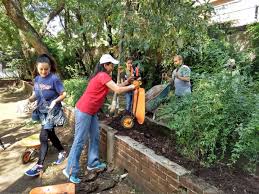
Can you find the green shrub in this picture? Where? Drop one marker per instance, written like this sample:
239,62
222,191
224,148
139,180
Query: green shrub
220,118
247,145
74,88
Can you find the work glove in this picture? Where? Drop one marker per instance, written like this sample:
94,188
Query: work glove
136,84
52,104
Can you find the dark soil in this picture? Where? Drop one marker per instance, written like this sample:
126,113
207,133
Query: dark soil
152,135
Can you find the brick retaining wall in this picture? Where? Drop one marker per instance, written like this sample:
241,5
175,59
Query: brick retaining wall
148,171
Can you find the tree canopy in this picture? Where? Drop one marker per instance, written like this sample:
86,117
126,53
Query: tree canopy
152,30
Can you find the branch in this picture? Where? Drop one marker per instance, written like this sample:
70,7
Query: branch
51,16
14,12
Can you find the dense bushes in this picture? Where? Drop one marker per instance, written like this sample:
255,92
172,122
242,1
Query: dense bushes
74,89
219,120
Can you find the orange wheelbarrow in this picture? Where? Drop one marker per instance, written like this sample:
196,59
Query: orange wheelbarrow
32,147
66,188
138,110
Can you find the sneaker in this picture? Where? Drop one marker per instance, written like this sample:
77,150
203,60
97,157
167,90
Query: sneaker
100,166
61,158
34,171
71,178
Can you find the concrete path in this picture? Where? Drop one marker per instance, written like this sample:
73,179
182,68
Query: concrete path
13,128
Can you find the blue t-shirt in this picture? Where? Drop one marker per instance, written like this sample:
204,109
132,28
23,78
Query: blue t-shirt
50,86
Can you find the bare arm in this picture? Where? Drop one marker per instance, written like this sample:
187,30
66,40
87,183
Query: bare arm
125,83
61,97
119,89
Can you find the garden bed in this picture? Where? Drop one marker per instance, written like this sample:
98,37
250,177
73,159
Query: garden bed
155,137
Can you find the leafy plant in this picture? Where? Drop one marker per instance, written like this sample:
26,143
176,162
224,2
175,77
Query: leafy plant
217,119
74,89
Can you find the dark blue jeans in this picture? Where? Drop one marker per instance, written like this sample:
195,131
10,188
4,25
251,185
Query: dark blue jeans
129,96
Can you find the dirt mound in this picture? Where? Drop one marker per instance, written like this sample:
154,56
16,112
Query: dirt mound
157,138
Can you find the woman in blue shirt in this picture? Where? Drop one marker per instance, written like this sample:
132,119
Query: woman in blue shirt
49,92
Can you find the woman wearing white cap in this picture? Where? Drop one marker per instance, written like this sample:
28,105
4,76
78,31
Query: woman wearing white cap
86,121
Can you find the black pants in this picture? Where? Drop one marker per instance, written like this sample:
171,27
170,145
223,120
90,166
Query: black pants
1,143
44,136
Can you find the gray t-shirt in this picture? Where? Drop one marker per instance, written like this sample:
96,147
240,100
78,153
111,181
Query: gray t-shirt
182,87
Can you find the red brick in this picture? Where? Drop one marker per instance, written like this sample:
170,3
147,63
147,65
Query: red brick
191,192
154,175
163,182
130,158
143,175
172,189
172,181
160,173
121,147
150,187
123,144
154,182
193,183
169,172
186,182
163,185
144,161
143,168
124,155
118,163
131,168
152,165
131,153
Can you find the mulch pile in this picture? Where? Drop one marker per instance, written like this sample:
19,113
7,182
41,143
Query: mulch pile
156,137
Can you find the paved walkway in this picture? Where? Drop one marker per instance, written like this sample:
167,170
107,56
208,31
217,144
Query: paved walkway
13,128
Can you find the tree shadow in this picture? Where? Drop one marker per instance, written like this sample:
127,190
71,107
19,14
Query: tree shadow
13,97
25,183
14,93
15,134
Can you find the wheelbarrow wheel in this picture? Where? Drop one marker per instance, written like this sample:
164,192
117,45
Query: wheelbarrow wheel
127,122
26,157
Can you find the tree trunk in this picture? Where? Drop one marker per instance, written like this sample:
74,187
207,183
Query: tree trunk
27,55
86,53
31,35
115,101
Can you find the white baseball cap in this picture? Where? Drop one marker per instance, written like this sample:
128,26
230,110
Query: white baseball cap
107,58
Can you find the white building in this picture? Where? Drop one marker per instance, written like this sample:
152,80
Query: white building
239,12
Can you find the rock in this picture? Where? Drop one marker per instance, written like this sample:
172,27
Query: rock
89,176
147,135
105,184
163,150
86,187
